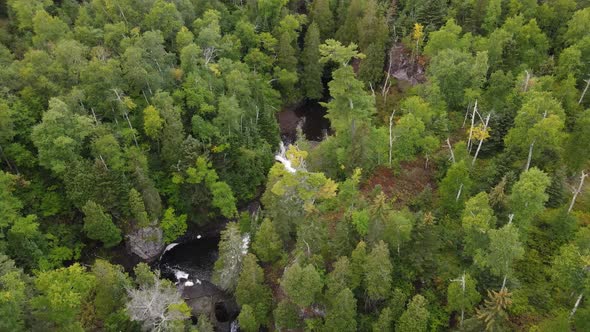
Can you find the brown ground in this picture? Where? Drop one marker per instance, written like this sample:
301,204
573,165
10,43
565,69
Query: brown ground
404,186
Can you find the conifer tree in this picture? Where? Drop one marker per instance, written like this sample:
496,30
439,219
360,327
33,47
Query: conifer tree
378,272
311,80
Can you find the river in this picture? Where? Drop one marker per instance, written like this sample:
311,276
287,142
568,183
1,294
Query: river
190,262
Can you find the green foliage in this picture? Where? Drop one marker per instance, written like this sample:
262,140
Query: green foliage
378,272
229,264
311,81
415,318
267,244
302,285
342,312
252,292
528,196
99,225
62,293
455,187
172,225
247,319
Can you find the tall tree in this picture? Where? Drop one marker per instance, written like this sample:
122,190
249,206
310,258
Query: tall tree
99,225
62,294
311,80
415,318
267,244
462,295
378,272
321,13
229,264
252,291
302,285
538,130
528,196
342,312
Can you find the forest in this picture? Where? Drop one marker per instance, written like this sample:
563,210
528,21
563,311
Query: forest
443,189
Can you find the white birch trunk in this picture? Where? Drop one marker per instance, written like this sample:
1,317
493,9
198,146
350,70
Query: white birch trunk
451,150
584,92
576,305
472,124
480,141
459,192
577,191
391,136
528,162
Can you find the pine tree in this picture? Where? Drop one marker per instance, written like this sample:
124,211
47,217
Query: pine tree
342,312
321,14
378,273
267,244
137,208
311,81
247,319
98,225
252,291
302,285
415,318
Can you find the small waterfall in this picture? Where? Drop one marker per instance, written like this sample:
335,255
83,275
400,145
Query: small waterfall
282,158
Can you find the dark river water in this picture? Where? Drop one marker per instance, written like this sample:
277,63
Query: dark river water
195,257
309,115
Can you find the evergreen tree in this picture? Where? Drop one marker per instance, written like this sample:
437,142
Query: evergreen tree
378,272
415,318
302,285
229,264
251,290
98,225
247,319
321,14
267,244
311,80
342,312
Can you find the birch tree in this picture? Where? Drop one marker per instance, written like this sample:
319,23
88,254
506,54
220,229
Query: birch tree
528,196
538,129
504,249
462,295
571,271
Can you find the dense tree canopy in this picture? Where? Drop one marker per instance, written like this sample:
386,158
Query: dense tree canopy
448,190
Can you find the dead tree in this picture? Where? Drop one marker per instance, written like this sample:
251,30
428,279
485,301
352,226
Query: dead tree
485,127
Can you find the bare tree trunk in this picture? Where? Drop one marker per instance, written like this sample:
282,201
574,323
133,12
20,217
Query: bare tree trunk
504,282
577,191
451,150
485,126
584,92
472,124
459,192
131,127
391,136
576,305
526,81
528,162
462,281
466,114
